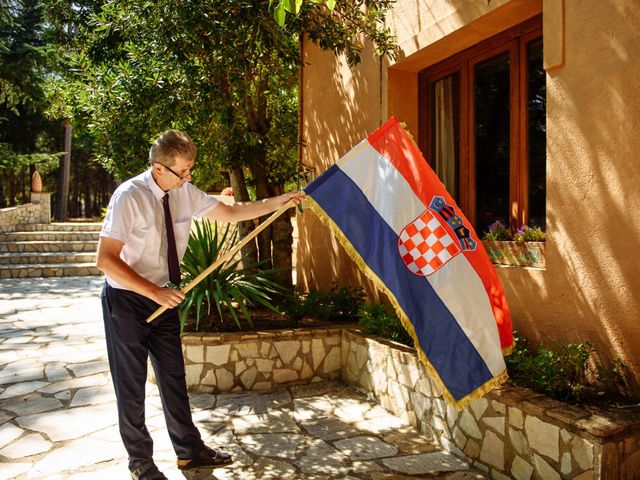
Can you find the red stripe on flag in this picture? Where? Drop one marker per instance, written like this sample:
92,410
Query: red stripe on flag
391,141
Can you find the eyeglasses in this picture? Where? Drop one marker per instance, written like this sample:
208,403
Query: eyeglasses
185,175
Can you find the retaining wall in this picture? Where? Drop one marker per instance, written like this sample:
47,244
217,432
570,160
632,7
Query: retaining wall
512,433
38,211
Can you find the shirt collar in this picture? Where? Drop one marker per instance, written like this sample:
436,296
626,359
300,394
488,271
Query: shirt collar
153,186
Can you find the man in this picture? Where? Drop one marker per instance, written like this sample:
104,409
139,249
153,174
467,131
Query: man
144,235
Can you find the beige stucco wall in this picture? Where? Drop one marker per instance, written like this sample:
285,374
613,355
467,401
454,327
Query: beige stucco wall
591,286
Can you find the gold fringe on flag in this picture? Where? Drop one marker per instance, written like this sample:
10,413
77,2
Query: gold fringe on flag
479,392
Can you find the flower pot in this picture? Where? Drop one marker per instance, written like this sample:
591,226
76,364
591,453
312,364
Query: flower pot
524,254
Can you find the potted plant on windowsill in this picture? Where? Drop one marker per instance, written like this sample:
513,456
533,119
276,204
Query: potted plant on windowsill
525,248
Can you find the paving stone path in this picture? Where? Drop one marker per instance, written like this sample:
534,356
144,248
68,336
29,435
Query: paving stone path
58,413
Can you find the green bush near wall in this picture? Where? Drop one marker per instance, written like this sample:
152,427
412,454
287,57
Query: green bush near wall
339,305
381,320
570,372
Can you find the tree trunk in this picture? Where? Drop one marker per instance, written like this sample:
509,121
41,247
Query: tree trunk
282,235
23,185
264,238
13,192
63,179
74,197
276,244
87,211
241,194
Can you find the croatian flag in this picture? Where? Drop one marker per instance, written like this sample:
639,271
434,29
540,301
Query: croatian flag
397,221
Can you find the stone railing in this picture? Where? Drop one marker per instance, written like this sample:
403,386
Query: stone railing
38,211
511,433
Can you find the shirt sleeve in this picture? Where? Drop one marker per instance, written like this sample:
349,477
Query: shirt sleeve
201,202
118,223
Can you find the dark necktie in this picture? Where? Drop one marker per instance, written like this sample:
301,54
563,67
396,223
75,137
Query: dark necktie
172,254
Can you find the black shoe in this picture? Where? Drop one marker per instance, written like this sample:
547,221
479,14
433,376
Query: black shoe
208,457
147,471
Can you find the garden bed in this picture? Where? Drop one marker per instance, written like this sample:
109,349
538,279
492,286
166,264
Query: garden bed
512,433
262,320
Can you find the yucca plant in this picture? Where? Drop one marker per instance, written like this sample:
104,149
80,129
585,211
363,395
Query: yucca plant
232,286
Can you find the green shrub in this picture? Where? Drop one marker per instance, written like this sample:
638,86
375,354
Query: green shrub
569,373
339,305
377,319
230,286
497,231
528,234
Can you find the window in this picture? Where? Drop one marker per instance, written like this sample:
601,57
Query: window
483,127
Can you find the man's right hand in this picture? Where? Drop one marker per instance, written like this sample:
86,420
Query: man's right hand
109,261
168,297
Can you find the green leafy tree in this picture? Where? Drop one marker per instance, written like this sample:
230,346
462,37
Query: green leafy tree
26,132
225,71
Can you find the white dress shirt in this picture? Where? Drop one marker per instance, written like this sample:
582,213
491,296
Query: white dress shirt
136,218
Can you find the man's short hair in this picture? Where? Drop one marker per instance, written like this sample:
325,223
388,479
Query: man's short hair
170,145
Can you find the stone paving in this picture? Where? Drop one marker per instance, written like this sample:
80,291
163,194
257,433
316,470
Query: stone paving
58,414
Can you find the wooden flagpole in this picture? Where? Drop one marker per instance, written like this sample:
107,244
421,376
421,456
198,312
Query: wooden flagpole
230,254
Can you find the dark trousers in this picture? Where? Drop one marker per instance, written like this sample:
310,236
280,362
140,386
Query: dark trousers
130,341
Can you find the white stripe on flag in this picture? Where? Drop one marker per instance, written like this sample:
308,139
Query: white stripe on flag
456,283
380,181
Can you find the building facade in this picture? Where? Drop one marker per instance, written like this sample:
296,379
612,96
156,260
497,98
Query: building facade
529,111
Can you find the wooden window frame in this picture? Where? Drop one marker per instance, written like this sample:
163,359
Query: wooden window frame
515,41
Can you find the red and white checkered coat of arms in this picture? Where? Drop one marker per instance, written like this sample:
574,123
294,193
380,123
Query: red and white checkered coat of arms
425,245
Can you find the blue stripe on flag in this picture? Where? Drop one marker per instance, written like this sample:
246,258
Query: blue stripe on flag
454,357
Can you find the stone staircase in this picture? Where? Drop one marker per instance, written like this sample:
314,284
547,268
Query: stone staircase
49,250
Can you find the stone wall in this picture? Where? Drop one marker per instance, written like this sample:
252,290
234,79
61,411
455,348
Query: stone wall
512,433
232,362
38,211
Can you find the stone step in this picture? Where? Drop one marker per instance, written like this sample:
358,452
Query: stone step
31,258
60,227
51,236
49,250
48,246
49,270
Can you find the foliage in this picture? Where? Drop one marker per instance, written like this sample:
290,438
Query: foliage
224,71
26,132
15,172
11,162
569,372
497,231
382,320
342,25
23,52
283,7
230,286
529,234
339,305
32,92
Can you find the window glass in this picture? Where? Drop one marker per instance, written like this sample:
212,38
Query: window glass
491,130
446,131
536,132
475,111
